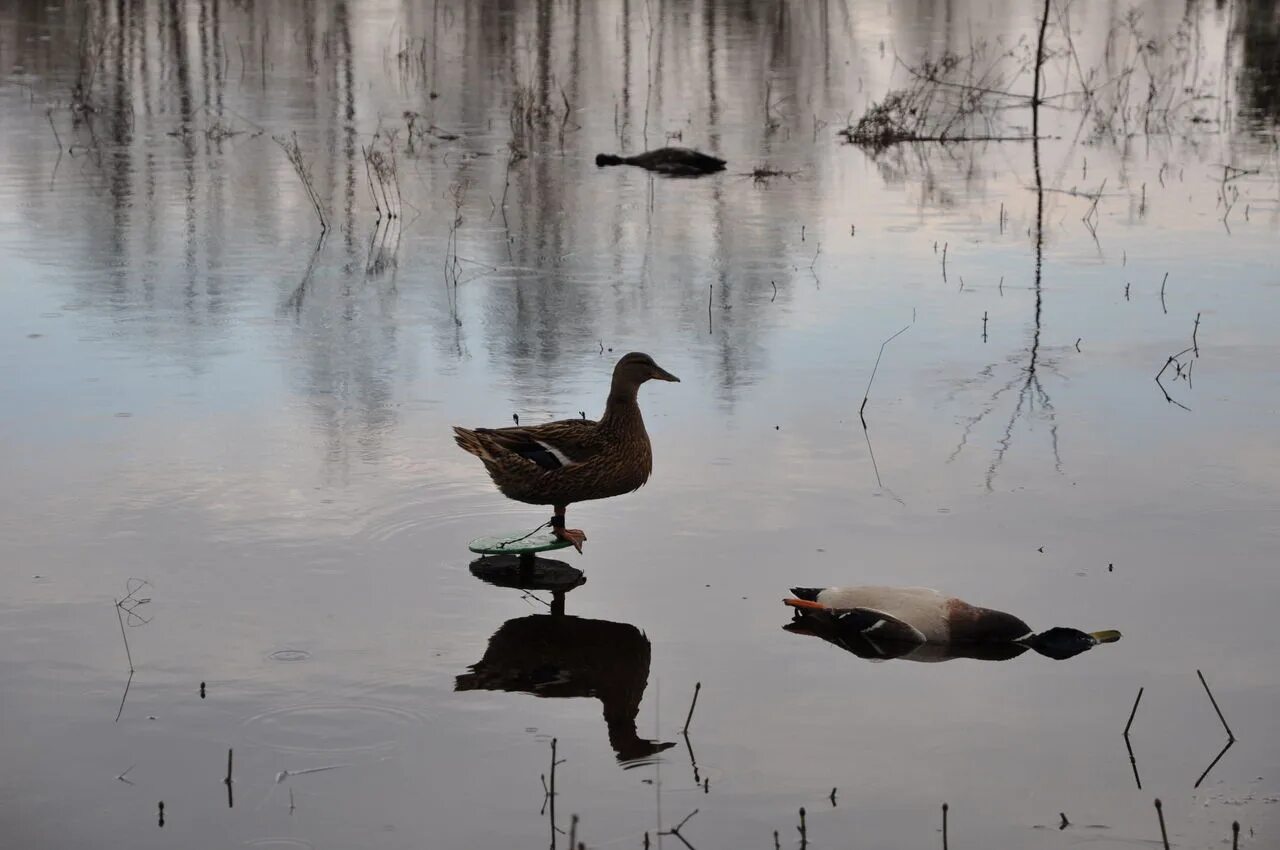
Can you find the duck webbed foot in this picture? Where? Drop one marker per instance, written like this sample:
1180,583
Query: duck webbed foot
575,536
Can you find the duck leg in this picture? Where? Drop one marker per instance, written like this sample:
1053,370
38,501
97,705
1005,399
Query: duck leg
572,535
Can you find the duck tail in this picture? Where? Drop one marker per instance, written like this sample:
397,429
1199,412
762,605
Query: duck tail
471,442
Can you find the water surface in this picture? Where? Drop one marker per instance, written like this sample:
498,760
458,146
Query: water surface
203,391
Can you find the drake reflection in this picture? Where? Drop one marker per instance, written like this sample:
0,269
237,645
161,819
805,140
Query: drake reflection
563,656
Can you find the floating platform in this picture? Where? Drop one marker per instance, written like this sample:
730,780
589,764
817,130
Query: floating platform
518,543
509,560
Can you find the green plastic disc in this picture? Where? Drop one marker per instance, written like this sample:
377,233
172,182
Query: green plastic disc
517,543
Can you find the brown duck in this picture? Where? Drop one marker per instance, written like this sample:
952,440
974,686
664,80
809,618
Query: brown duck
574,460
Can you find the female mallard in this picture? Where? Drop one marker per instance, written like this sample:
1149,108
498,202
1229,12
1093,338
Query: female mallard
677,162
574,460
918,615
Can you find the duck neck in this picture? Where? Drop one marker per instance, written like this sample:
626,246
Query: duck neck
622,411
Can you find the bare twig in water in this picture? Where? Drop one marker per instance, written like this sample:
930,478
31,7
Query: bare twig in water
804,831
1164,834
697,688
1162,283
867,394
1133,712
1230,734
833,796
1065,823
945,809
127,653
1195,345
294,153
48,113
549,792
1035,87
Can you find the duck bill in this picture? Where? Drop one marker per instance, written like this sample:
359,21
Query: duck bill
1106,636
663,375
804,603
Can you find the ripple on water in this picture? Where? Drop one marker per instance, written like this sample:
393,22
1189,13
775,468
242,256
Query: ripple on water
330,727
281,843
290,655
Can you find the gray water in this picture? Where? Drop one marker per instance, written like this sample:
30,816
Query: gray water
211,406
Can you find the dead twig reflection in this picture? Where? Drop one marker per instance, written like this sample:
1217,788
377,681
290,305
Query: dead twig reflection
675,830
1180,371
299,294
1231,742
123,697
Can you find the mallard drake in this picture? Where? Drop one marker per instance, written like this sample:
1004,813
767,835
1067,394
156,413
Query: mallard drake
907,616
574,460
677,162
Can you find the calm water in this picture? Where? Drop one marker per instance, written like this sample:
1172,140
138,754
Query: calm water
202,394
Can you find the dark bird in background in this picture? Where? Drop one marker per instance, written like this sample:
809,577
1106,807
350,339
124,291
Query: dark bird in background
675,162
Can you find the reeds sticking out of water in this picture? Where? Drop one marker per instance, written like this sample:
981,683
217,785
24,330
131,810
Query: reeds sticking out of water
867,394
697,688
293,151
1164,834
123,636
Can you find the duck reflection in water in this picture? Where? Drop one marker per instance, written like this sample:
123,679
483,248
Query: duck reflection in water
563,656
920,624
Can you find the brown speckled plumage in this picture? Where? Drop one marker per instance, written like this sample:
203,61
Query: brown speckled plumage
598,459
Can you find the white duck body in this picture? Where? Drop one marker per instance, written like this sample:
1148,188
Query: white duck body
911,614
923,608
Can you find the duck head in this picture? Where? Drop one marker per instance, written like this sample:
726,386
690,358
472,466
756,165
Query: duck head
636,368
603,159
1060,642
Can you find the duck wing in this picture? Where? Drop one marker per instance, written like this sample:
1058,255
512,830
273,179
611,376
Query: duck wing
552,445
876,625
